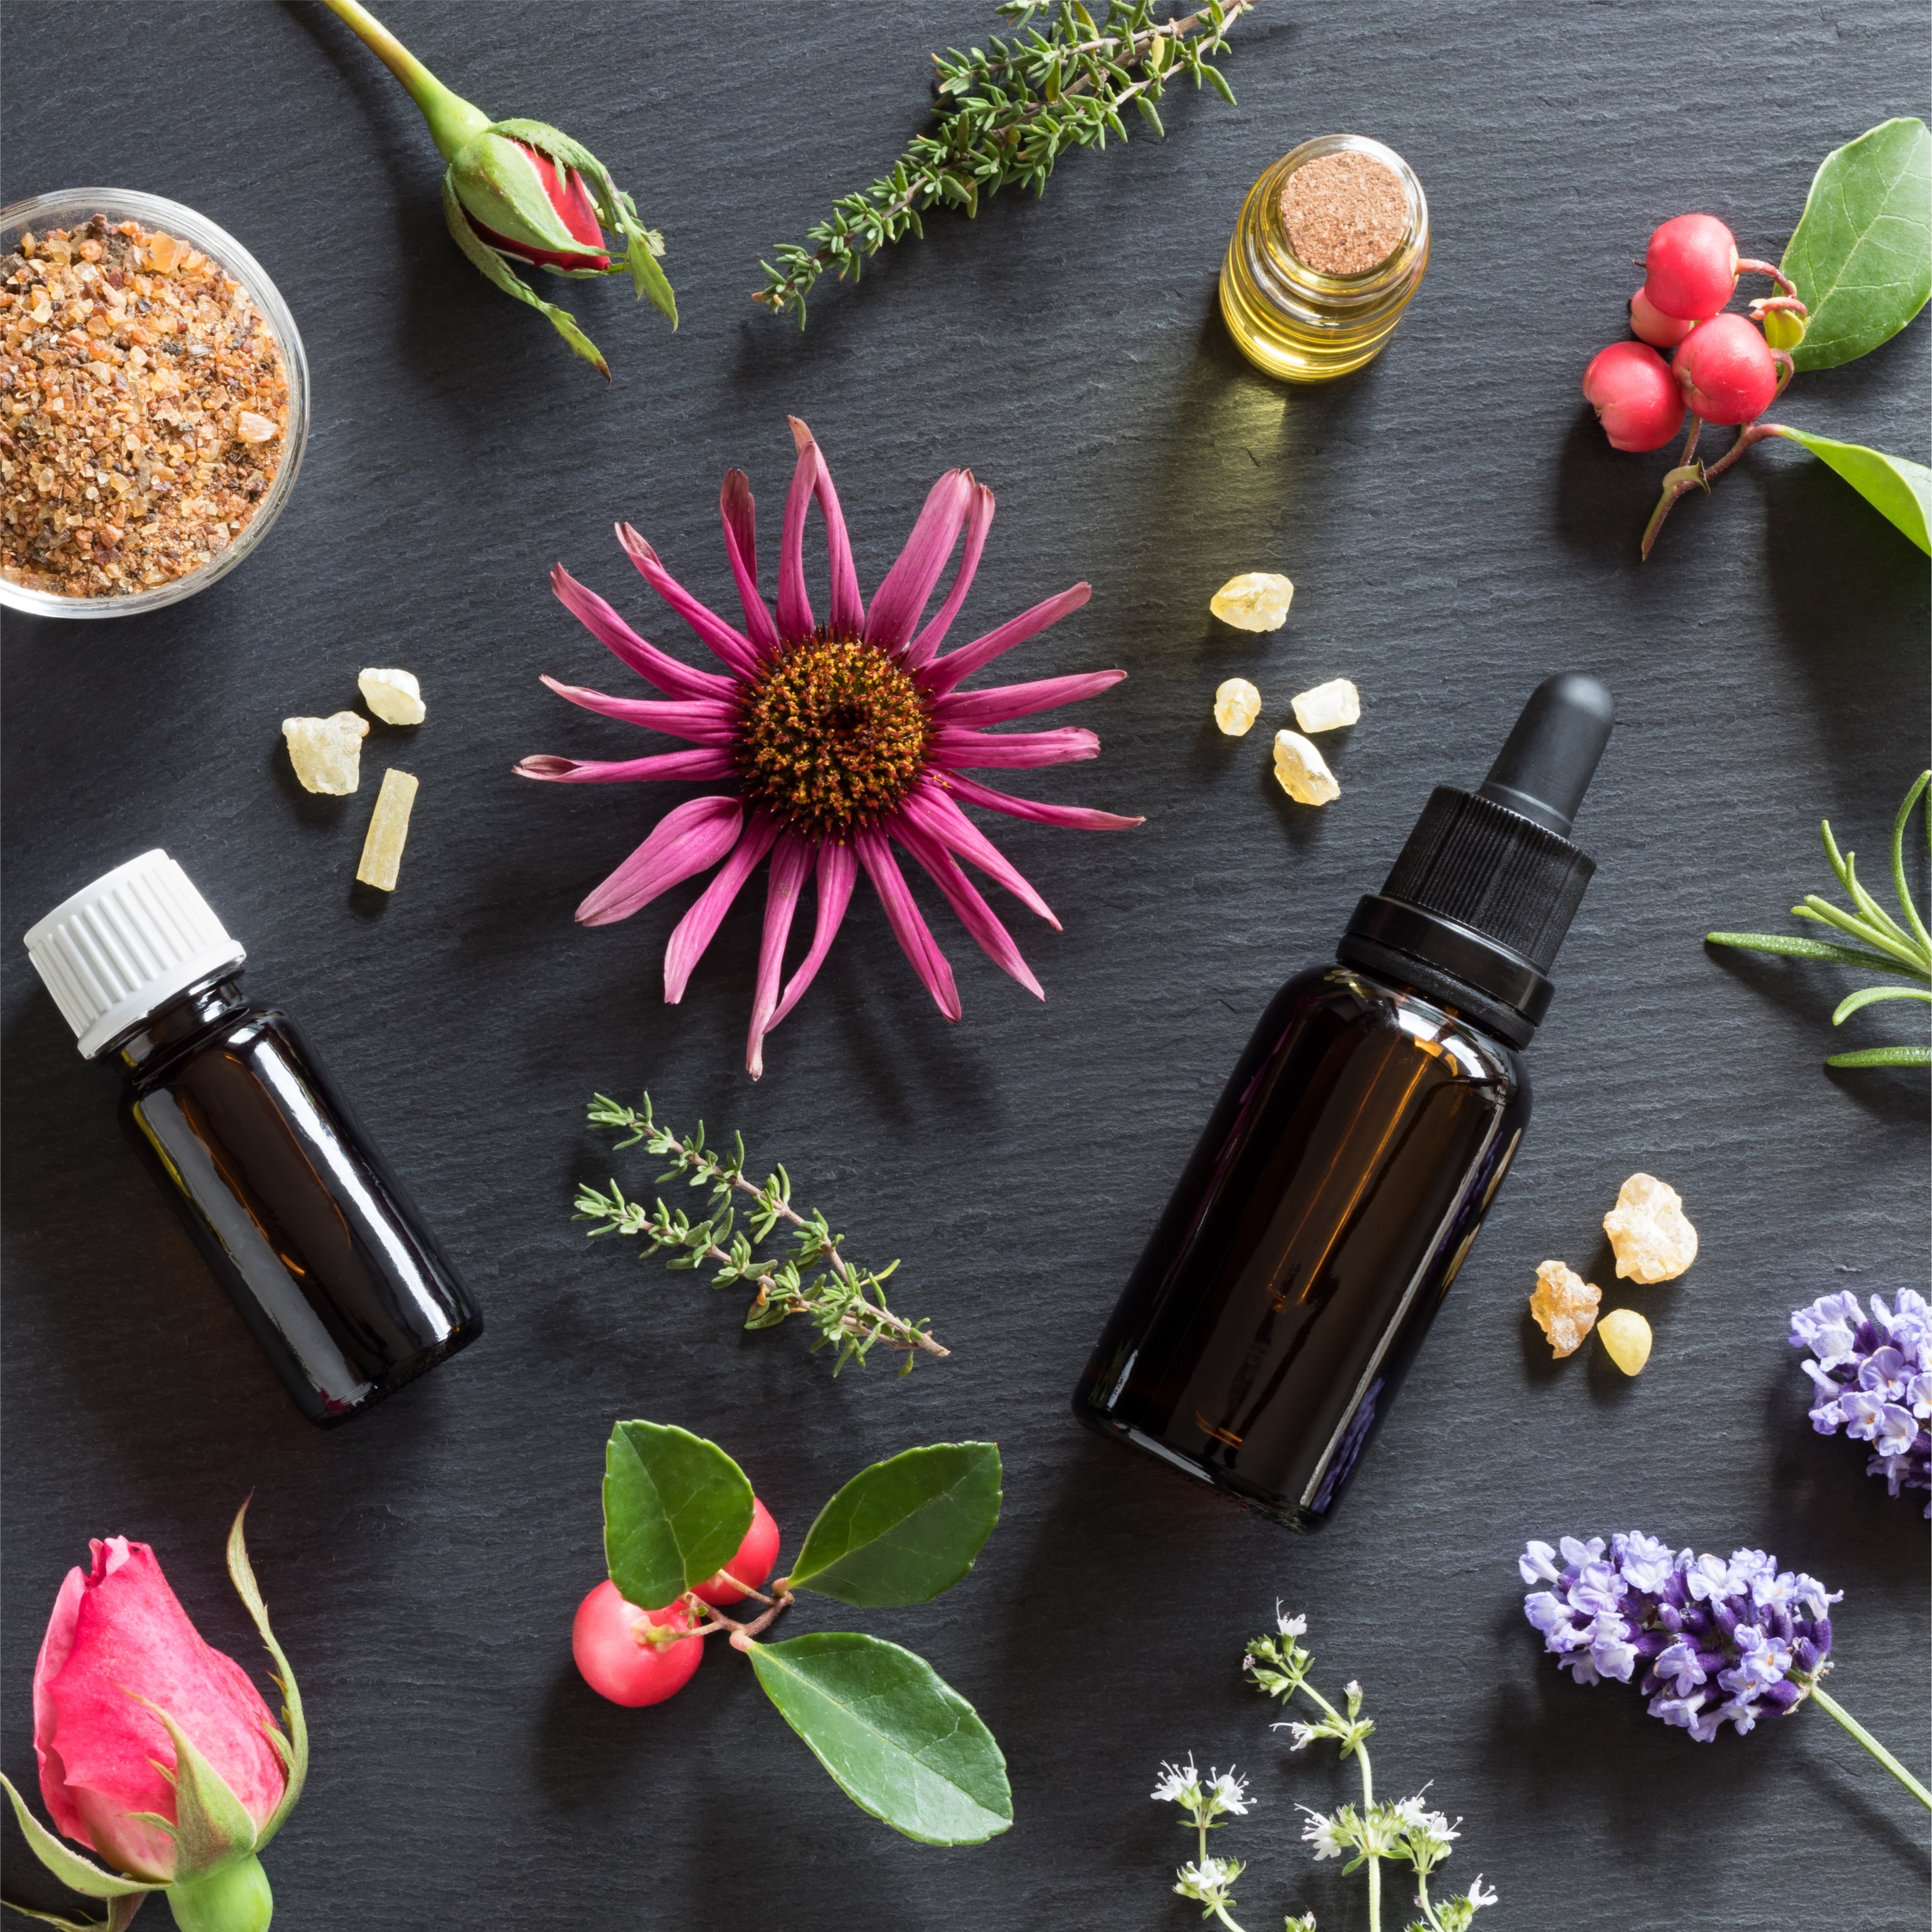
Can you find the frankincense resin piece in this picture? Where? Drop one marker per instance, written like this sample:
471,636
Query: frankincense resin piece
1625,1335
1328,706
327,752
1649,1234
1236,705
388,828
1301,770
394,696
1564,1306
1257,600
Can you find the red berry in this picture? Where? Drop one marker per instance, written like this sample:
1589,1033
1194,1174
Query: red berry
1691,267
1726,370
1635,398
1648,323
612,1642
752,1565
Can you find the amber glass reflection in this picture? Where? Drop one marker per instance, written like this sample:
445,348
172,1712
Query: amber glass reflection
296,1212
1319,1223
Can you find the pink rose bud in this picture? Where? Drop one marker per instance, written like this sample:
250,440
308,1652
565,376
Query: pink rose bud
117,1636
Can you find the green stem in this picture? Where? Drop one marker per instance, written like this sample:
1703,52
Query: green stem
453,122
1374,1863
1871,1744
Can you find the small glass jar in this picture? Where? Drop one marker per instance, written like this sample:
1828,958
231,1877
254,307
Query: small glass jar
1295,322
70,209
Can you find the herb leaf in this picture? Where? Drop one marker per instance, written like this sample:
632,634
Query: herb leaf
1897,488
898,1740
1861,255
905,1530
676,1508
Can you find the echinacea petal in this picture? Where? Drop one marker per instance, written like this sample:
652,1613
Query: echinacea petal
943,673
837,873
996,705
975,914
682,843
703,721
952,747
791,866
741,545
978,521
693,932
706,764
1074,818
725,642
911,931
673,679
848,609
898,602
932,811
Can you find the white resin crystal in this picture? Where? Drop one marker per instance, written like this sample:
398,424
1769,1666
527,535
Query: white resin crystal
1650,1234
1257,600
1329,707
1302,772
327,752
394,696
1236,705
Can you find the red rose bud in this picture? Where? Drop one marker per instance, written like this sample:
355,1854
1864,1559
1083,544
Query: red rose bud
156,1752
523,191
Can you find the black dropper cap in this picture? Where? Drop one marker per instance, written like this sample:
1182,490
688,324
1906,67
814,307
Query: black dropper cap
1479,901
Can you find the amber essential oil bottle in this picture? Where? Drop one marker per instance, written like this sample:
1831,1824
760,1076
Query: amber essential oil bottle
1347,1168
294,1209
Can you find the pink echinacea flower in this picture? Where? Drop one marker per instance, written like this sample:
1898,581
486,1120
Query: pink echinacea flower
836,739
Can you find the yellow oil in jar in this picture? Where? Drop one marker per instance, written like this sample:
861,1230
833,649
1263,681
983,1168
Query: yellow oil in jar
1295,322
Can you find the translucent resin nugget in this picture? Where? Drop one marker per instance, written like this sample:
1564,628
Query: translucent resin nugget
389,829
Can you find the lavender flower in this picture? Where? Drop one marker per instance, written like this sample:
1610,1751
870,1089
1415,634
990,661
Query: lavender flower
1874,1375
1710,1641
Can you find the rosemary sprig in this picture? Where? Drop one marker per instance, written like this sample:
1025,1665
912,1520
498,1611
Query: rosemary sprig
844,1303
1006,116
1884,945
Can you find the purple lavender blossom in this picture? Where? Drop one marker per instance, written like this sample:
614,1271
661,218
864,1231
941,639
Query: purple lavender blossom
1873,1374
1716,1642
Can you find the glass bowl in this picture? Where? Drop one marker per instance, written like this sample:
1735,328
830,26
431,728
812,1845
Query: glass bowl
71,209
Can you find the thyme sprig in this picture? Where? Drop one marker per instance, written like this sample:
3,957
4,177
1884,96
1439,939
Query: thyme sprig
1007,117
846,1303
1884,945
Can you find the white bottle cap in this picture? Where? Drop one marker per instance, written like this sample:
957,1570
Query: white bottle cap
123,947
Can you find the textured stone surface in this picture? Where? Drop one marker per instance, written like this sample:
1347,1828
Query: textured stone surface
1456,529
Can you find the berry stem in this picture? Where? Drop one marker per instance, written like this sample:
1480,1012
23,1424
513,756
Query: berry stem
1752,432
716,1620
1746,267
1687,475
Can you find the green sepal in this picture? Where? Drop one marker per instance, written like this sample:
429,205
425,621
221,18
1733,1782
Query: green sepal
495,181
212,1827
120,1915
293,1749
615,208
75,1873
495,270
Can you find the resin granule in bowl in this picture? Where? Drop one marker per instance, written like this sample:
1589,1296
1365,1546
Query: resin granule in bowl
153,403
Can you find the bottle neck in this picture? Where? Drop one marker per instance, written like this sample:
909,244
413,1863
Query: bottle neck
184,1016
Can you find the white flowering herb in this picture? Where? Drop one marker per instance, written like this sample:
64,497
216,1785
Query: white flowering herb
1404,1833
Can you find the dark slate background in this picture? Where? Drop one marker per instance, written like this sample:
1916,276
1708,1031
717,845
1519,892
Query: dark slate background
1457,529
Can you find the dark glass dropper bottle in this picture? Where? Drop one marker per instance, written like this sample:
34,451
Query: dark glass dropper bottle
1347,1168
295,1209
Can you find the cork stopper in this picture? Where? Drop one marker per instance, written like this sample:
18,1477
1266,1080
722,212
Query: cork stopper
1345,213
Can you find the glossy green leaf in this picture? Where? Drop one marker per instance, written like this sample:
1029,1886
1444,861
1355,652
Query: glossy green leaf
904,1530
898,1741
1861,255
676,1508
1894,486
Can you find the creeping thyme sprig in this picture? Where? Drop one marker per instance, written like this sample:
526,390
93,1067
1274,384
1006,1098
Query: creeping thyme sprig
1405,1832
1007,117
1883,944
844,1303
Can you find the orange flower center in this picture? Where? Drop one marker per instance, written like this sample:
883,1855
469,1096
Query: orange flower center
833,734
